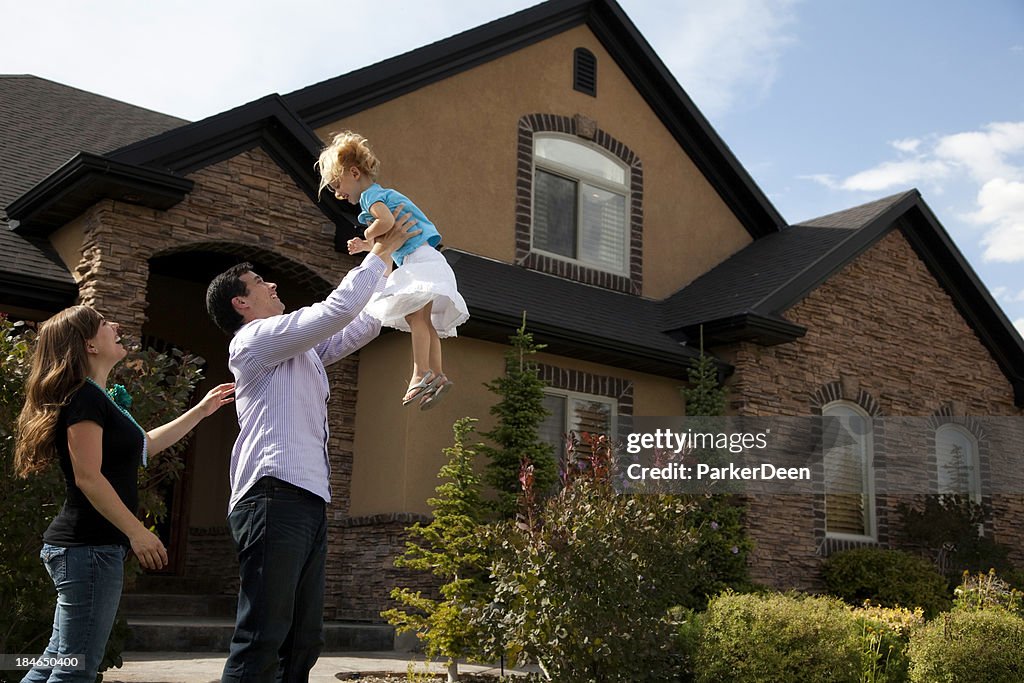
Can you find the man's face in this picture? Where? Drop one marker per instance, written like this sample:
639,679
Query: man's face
260,299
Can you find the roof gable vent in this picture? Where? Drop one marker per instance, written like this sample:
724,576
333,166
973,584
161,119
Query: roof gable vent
584,71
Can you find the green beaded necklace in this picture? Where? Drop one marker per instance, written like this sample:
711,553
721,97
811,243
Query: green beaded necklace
118,390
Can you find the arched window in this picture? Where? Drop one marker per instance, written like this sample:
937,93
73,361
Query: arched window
849,487
580,195
956,459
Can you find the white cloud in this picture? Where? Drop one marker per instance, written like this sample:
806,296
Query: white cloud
990,159
722,51
984,154
1001,210
892,174
906,145
1019,324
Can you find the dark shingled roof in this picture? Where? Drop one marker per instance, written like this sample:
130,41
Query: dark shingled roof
573,319
750,280
43,125
47,123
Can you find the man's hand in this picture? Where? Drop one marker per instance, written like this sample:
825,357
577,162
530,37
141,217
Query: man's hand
386,244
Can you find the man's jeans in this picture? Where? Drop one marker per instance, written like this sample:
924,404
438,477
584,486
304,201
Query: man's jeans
280,533
88,579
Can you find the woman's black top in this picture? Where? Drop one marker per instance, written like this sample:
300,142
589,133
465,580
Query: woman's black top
78,522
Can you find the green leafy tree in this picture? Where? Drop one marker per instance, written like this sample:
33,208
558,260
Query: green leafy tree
520,412
162,386
450,548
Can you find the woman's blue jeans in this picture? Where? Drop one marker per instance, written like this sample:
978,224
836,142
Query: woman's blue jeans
88,580
280,532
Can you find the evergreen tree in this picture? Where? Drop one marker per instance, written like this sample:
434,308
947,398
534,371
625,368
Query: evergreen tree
449,547
704,397
723,545
520,413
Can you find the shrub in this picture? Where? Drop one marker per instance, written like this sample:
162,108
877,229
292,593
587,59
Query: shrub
754,638
968,646
26,591
891,578
946,527
584,583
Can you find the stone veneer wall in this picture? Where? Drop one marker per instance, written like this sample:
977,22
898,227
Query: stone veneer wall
361,566
883,334
249,207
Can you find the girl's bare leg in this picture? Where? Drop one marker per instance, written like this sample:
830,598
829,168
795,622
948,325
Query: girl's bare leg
435,343
419,325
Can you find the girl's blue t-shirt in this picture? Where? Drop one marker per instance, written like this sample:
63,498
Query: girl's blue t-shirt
392,198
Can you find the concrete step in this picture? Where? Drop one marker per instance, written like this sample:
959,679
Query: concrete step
211,634
181,605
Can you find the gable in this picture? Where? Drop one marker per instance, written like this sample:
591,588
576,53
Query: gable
885,319
452,147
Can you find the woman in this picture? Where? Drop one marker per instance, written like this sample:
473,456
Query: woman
68,417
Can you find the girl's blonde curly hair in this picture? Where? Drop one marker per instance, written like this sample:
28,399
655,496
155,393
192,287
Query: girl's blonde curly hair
347,149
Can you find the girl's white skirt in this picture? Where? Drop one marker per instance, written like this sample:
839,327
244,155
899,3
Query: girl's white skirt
423,277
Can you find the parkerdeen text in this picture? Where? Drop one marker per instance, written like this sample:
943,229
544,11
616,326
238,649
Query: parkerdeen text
705,472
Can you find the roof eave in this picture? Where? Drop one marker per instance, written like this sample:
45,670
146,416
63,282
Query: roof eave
765,330
36,293
85,179
496,326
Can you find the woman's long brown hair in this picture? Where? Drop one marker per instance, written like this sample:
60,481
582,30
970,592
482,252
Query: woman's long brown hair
59,367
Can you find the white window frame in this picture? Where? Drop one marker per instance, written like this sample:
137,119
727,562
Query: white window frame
974,461
867,472
576,175
613,426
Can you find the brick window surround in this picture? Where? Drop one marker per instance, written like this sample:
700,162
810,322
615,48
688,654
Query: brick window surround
831,393
620,390
947,415
587,130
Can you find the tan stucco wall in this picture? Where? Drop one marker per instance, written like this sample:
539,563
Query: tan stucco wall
399,450
67,241
451,147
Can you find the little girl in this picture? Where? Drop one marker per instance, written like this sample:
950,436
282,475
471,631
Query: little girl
421,296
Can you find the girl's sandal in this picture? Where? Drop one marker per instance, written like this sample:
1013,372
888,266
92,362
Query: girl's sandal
426,384
435,392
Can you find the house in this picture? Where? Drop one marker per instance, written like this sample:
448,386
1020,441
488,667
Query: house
603,204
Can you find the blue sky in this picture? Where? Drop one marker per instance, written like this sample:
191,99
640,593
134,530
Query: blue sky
827,103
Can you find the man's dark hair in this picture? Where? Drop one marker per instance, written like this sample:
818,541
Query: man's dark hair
219,294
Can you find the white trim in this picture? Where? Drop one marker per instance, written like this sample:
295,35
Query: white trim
867,471
596,398
578,176
974,475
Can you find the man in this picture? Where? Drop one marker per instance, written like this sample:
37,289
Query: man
279,463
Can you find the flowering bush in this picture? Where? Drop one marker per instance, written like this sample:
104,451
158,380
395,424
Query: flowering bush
988,591
885,636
